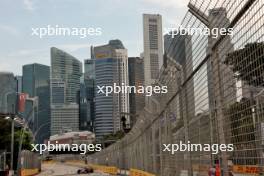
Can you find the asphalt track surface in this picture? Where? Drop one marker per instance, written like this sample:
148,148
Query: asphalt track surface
61,169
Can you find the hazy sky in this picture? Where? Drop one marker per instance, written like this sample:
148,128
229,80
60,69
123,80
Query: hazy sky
119,19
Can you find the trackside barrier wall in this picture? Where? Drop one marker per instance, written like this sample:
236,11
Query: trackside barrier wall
29,172
105,169
29,163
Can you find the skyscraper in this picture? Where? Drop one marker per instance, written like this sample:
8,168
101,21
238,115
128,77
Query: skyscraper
65,86
87,108
36,84
68,69
218,19
89,68
111,66
136,78
221,79
178,48
7,93
153,46
19,83
58,91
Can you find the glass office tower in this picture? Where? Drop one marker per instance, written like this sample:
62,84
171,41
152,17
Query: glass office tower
66,71
36,84
111,66
136,78
87,94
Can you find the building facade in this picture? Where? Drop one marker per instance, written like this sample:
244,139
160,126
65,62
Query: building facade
111,67
66,71
153,46
64,118
19,83
36,84
7,93
82,137
136,78
178,48
216,69
87,95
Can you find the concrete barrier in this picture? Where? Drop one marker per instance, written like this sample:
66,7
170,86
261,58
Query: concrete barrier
136,172
29,172
106,169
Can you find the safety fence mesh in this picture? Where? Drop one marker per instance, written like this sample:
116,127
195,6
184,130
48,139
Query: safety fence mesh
215,96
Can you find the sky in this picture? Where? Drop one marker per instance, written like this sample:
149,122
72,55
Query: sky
118,19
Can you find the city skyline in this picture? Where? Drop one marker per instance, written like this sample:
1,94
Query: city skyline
127,91
39,14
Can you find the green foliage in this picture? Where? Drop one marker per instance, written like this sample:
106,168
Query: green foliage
114,136
248,63
5,137
5,140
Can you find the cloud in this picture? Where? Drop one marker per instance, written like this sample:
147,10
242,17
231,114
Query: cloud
169,3
18,58
4,66
172,22
21,57
29,5
73,47
9,29
27,52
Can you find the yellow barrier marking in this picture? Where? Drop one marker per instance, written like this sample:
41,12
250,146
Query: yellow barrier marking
29,172
246,169
136,172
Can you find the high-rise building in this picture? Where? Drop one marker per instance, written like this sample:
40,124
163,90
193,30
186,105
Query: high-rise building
153,46
89,68
7,93
136,78
58,91
178,48
36,84
64,118
19,83
111,67
218,19
66,71
87,95
221,79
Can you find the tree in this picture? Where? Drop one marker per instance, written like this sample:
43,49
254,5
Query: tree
248,63
5,139
114,136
